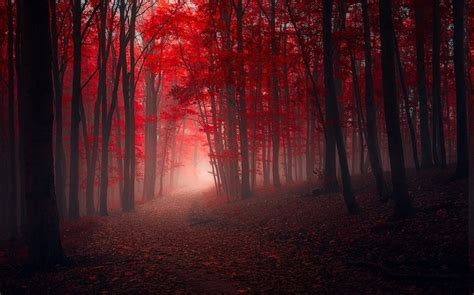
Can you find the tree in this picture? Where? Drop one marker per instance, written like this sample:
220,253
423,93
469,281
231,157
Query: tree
426,156
12,200
58,75
44,242
244,146
332,110
439,152
462,167
275,104
400,192
372,140
75,110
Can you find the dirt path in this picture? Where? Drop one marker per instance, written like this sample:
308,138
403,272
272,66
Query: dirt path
278,242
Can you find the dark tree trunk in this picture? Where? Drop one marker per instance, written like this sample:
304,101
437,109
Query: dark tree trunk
151,113
289,150
408,111
229,92
127,108
21,117
101,92
59,154
107,117
131,194
13,195
462,167
275,106
372,140
397,163
42,214
244,146
426,156
75,112
333,113
439,151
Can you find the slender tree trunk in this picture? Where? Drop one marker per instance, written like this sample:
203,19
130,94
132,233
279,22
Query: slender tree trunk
426,156
107,117
75,112
132,31
309,135
289,151
150,135
21,117
59,154
275,106
397,163
439,152
462,146
244,146
12,200
372,139
42,214
101,92
410,113
333,113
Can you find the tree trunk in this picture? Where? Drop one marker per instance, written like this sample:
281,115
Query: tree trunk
75,112
333,113
289,151
408,111
44,242
150,135
372,140
244,146
397,163
12,200
426,156
59,154
439,152
131,194
275,107
107,117
462,166
101,93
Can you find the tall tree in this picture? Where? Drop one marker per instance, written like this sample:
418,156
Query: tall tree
244,146
42,214
462,150
333,112
392,122
372,140
152,87
275,97
75,110
426,156
59,154
12,200
439,152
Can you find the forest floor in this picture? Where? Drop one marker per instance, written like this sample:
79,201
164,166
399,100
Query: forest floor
285,241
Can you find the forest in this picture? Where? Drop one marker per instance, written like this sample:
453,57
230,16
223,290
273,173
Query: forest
227,146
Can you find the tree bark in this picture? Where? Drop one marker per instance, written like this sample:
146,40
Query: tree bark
44,242
59,154
75,111
372,140
439,151
462,150
397,163
333,113
426,156
13,195
407,104
275,107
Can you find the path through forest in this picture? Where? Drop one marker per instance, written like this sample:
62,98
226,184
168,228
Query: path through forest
287,241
